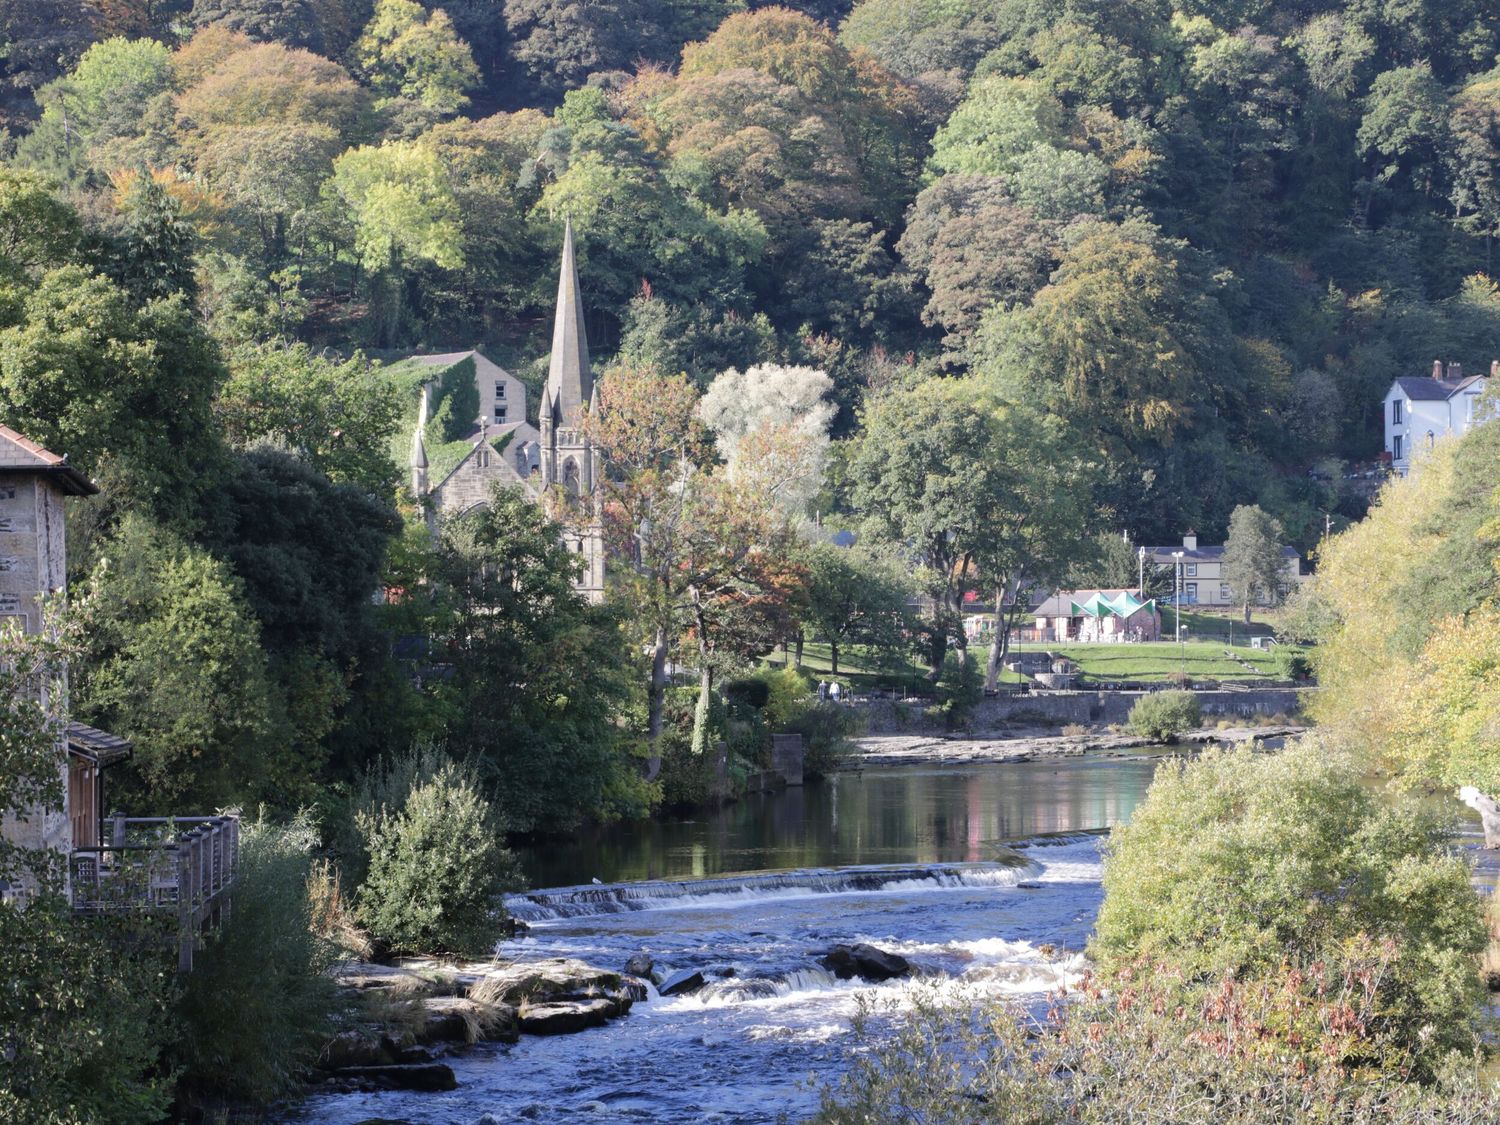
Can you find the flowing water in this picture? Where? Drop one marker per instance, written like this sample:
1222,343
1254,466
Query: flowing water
984,876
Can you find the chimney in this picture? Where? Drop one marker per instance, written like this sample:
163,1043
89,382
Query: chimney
1437,369
1190,539
1455,371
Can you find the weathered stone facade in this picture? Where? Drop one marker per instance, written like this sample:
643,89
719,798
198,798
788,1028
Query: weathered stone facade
33,564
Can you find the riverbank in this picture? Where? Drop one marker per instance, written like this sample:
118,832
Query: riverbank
1025,746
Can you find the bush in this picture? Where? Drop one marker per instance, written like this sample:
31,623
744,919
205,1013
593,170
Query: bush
1240,862
1163,715
749,691
1234,1052
1293,663
83,1016
258,1005
436,868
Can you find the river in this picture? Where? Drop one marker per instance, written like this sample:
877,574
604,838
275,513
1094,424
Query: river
986,876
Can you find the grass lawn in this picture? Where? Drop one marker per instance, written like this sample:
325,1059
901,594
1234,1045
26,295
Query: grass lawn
1201,660
858,669
1197,623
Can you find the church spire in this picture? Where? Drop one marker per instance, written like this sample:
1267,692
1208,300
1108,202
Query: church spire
569,382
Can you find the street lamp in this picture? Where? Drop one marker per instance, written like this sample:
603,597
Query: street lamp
1177,601
1140,572
1177,591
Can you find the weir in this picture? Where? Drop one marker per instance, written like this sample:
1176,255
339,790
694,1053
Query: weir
587,901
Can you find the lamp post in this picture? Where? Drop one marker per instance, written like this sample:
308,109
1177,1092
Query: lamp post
1140,571
1177,602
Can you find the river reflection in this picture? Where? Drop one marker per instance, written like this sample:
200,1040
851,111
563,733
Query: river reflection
903,814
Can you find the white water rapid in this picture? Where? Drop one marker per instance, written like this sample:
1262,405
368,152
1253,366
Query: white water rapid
751,1046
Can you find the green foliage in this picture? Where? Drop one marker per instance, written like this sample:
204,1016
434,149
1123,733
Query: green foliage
1254,566
1292,1050
85,1015
537,676
1163,715
405,51
1238,862
1293,663
259,1003
399,203
174,663
436,865
960,689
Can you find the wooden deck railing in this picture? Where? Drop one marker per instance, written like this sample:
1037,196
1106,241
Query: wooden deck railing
183,864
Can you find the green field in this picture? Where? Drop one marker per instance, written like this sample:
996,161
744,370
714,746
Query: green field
1201,660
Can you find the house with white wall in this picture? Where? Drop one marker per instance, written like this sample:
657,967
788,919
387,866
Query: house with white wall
1421,410
1203,580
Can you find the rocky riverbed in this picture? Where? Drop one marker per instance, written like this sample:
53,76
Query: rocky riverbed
1029,745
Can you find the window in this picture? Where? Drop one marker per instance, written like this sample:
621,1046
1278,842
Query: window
1192,587
1396,412
1396,447
499,415
1192,568
483,459
570,476
1223,592
499,391
1429,439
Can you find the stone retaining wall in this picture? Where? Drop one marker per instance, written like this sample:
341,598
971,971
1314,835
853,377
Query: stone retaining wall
1059,708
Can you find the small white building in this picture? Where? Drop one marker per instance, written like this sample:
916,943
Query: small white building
1419,411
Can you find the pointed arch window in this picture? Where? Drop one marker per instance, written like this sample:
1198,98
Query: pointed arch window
570,476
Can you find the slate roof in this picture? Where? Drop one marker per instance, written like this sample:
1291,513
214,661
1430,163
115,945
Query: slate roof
103,748
1203,554
20,454
1422,389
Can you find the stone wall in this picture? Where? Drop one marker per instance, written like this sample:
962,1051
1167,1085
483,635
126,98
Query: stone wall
1083,707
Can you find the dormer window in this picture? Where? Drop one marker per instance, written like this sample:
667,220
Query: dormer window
1396,412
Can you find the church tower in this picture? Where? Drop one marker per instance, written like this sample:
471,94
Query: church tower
568,459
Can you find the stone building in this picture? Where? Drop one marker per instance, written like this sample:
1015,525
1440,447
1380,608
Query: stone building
553,461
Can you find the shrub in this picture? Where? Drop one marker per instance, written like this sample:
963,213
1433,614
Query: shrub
1234,1052
1239,861
436,868
1293,663
752,692
258,1005
1163,715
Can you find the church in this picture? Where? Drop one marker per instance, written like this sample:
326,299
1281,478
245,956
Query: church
553,457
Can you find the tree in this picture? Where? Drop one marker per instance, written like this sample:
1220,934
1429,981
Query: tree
855,597
398,200
87,370
105,96
269,84
406,52
537,680
709,546
340,416
1254,566
292,22
927,475
767,398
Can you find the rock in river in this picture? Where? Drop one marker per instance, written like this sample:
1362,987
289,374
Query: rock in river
681,983
867,962
565,1017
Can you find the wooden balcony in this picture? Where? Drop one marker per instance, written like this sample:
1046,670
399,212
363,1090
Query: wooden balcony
184,865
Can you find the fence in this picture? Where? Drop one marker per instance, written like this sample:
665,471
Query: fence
185,864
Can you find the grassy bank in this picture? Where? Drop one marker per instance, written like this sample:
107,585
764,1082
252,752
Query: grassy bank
1200,660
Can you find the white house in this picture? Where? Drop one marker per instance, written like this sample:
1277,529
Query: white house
1203,579
1419,411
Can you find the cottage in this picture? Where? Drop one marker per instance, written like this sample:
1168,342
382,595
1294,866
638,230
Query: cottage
1419,411
554,459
